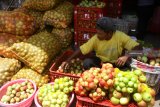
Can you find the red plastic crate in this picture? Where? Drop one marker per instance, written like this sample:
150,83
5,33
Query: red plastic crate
87,102
82,36
86,17
53,70
114,8
53,74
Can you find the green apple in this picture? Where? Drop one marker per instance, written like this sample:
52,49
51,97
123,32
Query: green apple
146,97
116,83
134,79
130,84
144,59
124,100
114,101
137,97
117,94
142,78
124,89
118,88
130,90
135,86
125,80
121,79
137,72
119,75
121,84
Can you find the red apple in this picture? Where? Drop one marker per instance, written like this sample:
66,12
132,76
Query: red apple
142,104
110,82
92,85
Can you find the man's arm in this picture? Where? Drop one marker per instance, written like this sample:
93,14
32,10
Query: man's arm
65,64
123,59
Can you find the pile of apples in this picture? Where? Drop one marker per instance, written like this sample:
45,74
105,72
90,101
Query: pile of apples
56,95
75,67
18,92
95,82
131,86
153,61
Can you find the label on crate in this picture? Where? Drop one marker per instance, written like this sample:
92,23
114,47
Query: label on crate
87,16
86,36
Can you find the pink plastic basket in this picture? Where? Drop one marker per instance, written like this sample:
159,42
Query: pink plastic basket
39,105
25,103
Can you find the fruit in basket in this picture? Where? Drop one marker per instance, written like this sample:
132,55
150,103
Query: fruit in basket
115,101
49,97
8,68
137,72
28,73
18,92
95,82
146,97
152,62
142,78
97,95
117,94
75,67
124,100
80,90
137,97
152,92
142,104
126,82
144,59
64,85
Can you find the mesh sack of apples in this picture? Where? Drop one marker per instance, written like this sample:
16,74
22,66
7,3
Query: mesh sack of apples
27,73
75,67
61,16
131,86
56,94
40,5
95,82
8,39
64,36
17,23
37,51
8,68
92,3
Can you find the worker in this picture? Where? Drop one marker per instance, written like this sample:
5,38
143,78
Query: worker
108,45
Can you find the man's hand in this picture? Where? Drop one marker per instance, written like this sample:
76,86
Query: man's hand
64,65
121,60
